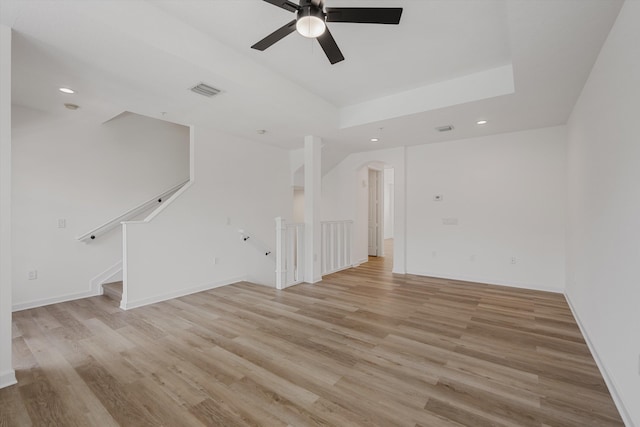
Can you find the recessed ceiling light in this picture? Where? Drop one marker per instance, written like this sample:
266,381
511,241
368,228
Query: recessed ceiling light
261,131
481,122
374,140
71,106
66,90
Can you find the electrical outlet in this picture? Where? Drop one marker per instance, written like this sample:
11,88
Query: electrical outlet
215,260
62,223
514,260
33,274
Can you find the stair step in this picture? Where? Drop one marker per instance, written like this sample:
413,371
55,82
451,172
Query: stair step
113,290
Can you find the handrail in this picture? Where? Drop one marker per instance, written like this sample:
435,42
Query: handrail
256,243
131,213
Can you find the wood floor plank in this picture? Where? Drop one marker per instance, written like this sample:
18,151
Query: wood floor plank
13,411
365,347
45,406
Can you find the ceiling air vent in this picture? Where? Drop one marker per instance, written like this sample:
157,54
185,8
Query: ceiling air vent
205,90
446,128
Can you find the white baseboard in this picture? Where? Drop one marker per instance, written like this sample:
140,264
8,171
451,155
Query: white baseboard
360,261
338,269
489,281
626,418
128,305
94,290
7,378
55,300
290,285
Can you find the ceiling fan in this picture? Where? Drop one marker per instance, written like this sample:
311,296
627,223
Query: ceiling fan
312,18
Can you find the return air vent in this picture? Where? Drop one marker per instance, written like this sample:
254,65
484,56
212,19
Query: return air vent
205,90
446,128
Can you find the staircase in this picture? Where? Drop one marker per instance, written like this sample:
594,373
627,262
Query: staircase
113,290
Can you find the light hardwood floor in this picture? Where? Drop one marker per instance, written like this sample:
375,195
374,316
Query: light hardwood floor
364,347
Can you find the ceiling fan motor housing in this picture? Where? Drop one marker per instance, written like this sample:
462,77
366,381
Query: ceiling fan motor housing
311,10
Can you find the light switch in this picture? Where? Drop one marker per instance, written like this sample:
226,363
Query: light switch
62,223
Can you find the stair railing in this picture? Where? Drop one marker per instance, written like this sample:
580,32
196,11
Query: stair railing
289,253
130,214
336,237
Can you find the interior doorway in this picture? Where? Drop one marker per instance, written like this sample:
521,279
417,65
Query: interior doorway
375,229
386,180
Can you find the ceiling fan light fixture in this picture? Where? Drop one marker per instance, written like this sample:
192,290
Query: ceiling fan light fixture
311,19
310,22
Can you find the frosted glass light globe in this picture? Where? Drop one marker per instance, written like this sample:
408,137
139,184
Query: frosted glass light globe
310,26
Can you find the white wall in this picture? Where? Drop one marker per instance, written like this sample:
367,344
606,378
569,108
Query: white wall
345,197
238,184
388,203
603,235
69,166
7,375
506,193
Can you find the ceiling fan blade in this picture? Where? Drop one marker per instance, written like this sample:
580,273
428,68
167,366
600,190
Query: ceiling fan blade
276,36
330,47
364,15
285,4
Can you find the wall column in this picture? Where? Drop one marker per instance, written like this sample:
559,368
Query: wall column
7,374
400,214
312,194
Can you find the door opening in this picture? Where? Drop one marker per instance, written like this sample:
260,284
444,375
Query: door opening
376,226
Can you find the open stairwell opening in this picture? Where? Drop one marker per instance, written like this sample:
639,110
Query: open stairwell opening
110,282
113,290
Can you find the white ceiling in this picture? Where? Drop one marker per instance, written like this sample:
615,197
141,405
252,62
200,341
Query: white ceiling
142,56
437,40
